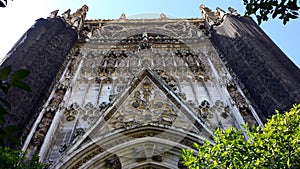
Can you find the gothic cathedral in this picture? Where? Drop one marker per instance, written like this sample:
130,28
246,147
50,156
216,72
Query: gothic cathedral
132,93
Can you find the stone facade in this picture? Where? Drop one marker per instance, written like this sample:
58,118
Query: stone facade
132,93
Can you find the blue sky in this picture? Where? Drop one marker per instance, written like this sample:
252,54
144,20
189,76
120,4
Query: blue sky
20,15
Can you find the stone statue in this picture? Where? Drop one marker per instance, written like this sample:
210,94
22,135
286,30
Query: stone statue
76,19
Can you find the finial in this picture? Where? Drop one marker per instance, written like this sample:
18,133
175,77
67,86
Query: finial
53,14
220,13
66,14
76,19
122,17
212,18
162,16
205,11
232,11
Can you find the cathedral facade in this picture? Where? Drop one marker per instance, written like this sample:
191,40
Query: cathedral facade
132,93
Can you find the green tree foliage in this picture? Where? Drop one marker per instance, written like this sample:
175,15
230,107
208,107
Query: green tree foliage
263,9
14,159
277,145
7,80
9,158
3,3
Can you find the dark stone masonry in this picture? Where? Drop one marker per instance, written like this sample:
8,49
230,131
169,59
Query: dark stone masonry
42,51
271,79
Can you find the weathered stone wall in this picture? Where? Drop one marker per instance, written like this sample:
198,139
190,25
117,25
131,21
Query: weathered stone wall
271,79
41,50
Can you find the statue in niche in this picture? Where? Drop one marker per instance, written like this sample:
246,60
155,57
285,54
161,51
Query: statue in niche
58,97
226,112
204,109
140,154
77,134
157,153
43,126
234,93
113,162
63,147
247,114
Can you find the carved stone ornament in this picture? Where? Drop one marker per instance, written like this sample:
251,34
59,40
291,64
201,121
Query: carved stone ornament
213,18
240,102
148,105
76,19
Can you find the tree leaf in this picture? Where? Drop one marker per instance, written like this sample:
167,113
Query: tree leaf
5,72
11,129
4,88
5,102
293,16
2,4
22,85
276,145
19,75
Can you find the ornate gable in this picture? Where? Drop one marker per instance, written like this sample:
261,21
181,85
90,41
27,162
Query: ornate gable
147,102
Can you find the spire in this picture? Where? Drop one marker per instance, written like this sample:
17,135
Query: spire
211,17
76,19
123,16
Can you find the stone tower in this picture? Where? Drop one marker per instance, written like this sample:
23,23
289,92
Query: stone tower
131,93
